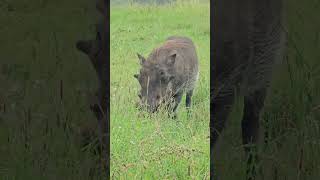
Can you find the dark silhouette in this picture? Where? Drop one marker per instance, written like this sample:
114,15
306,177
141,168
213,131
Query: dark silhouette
97,51
247,41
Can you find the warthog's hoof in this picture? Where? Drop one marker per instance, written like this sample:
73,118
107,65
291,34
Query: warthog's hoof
173,115
189,113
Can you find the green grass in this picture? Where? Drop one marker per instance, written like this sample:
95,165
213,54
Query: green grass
157,147
291,112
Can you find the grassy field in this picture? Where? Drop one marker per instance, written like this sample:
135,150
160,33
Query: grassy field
291,116
157,147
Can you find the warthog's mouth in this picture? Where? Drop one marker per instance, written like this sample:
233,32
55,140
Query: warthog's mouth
164,104
148,108
152,109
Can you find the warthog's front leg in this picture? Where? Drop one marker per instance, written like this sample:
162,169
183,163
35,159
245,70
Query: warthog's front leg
172,107
188,102
188,98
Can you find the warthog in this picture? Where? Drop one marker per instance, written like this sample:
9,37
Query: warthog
97,51
168,72
247,41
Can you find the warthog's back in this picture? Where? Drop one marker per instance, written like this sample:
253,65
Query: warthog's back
248,38
186,63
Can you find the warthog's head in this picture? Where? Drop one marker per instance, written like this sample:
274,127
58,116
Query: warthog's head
155,80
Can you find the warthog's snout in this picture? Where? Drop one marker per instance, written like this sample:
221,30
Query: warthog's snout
153,107
150,107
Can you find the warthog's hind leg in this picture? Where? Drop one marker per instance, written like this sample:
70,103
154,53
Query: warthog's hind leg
176,101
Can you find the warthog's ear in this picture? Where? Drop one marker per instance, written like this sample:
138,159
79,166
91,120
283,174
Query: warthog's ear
136,76
141,58
172,58
84,46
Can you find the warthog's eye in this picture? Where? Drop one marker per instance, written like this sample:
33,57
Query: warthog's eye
158,97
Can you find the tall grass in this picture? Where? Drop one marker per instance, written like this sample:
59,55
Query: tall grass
157,147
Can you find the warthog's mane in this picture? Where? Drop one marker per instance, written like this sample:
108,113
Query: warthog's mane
170,45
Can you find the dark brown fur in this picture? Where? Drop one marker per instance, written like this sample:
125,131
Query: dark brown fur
169,71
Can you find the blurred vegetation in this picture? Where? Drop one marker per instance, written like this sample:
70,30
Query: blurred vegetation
291,117
45,89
